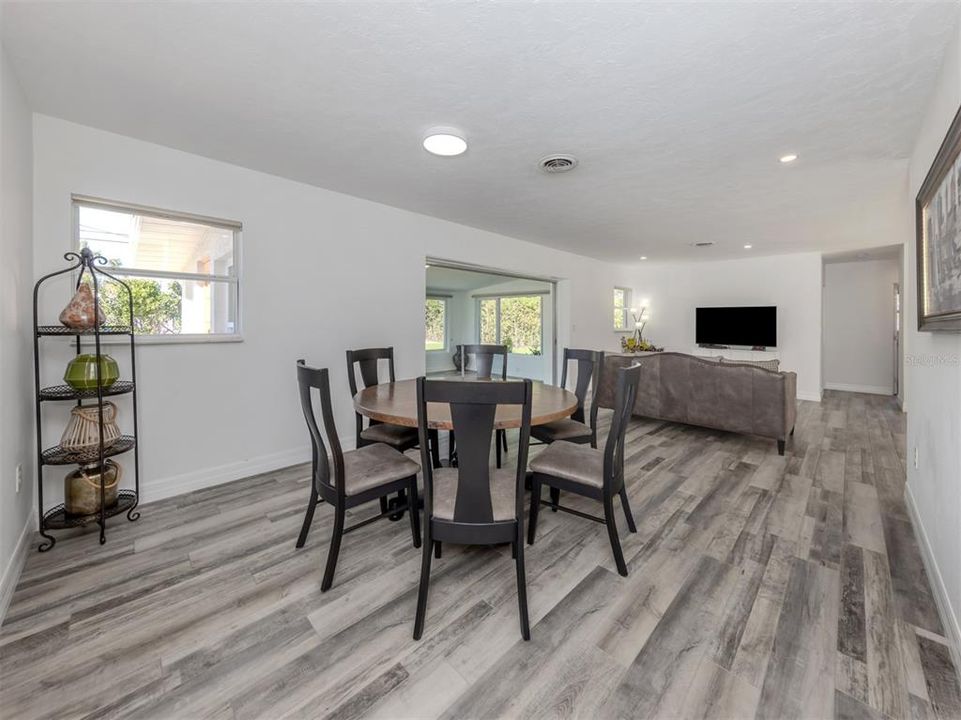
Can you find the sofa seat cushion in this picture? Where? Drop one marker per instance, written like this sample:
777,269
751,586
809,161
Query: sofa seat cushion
374,465
577,463
503,489
565,429
394,435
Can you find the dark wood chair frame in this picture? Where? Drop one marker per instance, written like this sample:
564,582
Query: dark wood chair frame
473,405
329,483
483,366
613,481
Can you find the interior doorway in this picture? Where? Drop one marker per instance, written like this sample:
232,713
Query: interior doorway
466,305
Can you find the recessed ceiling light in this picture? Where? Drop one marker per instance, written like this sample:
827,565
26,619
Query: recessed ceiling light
748,247
643,257
790,157
444,143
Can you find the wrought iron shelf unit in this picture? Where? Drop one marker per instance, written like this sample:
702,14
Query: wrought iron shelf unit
87,266
65,392
57,518
54,330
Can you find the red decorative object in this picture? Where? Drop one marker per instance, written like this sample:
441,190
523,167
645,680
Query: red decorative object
79,313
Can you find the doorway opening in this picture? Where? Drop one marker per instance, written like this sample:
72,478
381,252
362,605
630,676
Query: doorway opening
467,305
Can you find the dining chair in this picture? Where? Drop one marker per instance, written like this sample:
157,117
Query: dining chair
484,356
346,480
474,504
587,471
399,437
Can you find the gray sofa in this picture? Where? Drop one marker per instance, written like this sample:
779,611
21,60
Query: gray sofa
730,396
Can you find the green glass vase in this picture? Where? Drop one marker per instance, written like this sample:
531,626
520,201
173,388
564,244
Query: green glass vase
81,372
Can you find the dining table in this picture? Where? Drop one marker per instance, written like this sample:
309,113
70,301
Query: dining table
396,403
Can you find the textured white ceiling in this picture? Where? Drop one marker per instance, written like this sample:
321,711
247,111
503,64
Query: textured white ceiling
677,112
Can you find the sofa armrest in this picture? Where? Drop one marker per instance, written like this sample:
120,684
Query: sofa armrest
790,401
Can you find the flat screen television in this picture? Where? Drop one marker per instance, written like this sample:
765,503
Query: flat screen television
746,326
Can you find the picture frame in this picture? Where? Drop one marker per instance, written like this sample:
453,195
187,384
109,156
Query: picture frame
938,238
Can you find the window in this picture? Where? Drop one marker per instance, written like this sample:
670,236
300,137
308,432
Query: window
622,305
182,269
512,320
435,322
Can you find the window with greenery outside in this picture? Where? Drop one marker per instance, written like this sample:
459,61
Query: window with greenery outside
435,317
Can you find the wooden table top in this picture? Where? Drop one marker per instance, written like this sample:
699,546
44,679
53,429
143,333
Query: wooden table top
396,403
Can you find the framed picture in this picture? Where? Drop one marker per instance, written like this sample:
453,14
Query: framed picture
938,218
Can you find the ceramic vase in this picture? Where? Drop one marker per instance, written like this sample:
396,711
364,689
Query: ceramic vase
81,373
79,313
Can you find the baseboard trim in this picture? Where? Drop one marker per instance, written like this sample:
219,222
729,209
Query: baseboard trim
811,397
948,616
11,573
158,489
869,389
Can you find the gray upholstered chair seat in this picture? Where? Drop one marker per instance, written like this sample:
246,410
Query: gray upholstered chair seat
393,435
565,429
577,463
374,465
503,494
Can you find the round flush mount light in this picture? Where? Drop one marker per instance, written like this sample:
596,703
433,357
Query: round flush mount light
789,158
643,257
748,247
444,142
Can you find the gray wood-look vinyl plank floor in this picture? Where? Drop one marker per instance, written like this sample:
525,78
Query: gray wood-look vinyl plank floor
760,586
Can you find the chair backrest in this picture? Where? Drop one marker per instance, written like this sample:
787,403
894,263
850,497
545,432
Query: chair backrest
484,358
590,365
309,379
367,359
627,381
472,408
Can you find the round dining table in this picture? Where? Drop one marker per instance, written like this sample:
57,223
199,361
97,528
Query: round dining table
396,403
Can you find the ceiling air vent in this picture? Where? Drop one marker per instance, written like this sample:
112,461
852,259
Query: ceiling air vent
558,163
702,243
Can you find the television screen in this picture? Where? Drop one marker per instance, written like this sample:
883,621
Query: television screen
747,326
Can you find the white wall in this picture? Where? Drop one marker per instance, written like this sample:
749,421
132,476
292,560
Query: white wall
933,381
859,325
322,272
792,282
16,348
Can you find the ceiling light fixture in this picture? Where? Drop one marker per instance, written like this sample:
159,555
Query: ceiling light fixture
444,142
643,257
789,158
748,247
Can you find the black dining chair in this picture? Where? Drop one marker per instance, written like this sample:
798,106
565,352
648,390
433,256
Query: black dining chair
587,471
346,480
474,504
483,357
399,437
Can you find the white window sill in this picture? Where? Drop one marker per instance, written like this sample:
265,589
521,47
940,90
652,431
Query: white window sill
166,339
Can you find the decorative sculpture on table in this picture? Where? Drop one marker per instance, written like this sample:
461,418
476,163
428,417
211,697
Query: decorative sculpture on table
637,343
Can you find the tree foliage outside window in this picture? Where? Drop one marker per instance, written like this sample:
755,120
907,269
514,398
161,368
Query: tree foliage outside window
514,321
435,320
621,301
156,309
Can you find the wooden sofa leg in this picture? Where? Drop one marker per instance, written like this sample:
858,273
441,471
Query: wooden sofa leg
780,447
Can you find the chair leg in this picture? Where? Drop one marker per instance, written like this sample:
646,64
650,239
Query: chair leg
497,443
522,586
627,510
503,434
334,551
309,517
451,448
555,498
433,437
437,549
383,504
424,584
413,511
612,534
535,508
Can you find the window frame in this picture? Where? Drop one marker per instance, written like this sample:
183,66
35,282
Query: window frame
236,227
625,311
446,300
478,299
